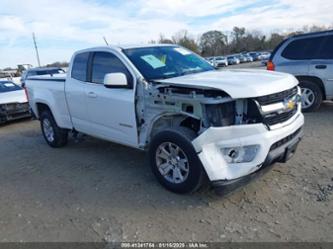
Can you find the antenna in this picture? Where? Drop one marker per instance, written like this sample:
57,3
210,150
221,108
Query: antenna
35,43
106,42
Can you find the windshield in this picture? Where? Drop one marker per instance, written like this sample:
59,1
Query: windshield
166,62
8,86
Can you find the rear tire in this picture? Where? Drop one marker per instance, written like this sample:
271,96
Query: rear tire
54,135
174,161
312,96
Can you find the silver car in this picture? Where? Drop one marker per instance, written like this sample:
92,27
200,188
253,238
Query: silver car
310,58
233,60
221,61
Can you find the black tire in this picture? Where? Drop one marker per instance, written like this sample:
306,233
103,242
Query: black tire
318,95
181,137
60,136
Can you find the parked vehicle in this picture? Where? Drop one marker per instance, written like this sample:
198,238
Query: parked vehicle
264,55
241,58
13,102
310,58
221,61
40,71
194,121
233,60
254,55
264,62
211,61
248,58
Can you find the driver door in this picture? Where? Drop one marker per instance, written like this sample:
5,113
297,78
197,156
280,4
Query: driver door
111,110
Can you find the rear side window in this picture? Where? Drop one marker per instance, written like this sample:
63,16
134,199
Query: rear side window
303,49
326,51
104,63
79,69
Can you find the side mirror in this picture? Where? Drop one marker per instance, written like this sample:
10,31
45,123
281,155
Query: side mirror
113,80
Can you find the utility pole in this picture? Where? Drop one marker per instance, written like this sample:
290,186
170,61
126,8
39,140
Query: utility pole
106,42
35,43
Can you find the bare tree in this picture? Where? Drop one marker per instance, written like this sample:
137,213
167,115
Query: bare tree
162,39
213,43
184,39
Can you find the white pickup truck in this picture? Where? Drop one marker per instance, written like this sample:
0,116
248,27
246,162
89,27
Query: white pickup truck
196,122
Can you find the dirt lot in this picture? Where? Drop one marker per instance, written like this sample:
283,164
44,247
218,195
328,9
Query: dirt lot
94,190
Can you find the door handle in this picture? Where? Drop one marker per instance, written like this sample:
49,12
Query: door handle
321,66
92,95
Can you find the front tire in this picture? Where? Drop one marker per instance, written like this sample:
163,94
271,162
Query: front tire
174,161
53,134
312,96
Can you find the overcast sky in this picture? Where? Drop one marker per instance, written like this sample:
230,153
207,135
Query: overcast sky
63,26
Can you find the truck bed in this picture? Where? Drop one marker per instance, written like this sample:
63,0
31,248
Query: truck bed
50,90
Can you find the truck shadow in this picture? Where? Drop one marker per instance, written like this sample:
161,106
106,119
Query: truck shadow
13,122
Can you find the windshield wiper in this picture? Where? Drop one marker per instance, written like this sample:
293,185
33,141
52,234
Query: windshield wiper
191,71
163,78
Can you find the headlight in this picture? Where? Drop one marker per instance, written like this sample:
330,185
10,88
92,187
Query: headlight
242,154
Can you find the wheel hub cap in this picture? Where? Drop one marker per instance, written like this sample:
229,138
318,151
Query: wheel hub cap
308,97
172,162
48,130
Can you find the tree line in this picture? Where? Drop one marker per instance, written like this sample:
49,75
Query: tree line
215,42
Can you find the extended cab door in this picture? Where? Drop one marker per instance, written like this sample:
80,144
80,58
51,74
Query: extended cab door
75,90
111,110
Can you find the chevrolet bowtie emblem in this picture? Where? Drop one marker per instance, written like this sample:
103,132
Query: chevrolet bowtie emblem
289,104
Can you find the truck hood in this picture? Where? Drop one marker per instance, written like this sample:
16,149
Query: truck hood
238,83
13,97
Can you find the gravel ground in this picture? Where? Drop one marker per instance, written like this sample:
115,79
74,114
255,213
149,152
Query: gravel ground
94,190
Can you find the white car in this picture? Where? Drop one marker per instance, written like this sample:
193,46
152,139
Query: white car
264,56
194,121
211,61
220,61
13,102
233,60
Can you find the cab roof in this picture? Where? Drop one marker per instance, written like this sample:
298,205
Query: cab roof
129,46
125,46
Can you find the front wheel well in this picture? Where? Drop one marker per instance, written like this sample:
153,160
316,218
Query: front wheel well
315,80
172,121
41,107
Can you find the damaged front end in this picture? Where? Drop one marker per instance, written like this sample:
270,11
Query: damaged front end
234,136
13,111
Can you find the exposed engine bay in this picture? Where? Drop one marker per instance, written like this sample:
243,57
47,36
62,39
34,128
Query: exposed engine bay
160,106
